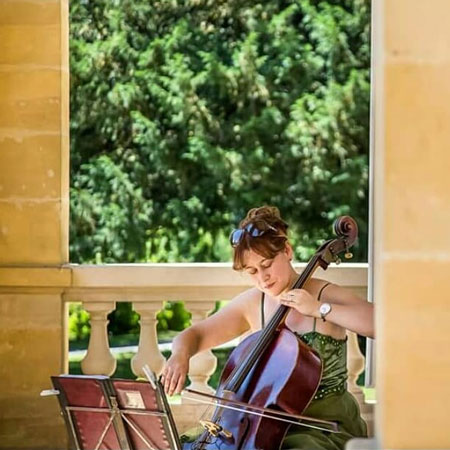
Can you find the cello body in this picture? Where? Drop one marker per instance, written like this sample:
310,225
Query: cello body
285,378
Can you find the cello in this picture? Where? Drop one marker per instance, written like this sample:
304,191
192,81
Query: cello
272,376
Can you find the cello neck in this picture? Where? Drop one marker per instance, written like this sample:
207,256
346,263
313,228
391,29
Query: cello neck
240,373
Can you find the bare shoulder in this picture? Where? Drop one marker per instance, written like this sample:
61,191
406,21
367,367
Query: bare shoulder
247,303
246,300
315,285
249,295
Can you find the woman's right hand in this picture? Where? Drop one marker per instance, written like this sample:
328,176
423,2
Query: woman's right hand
174,373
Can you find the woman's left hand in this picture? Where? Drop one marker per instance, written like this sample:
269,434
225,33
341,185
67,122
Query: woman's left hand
302,301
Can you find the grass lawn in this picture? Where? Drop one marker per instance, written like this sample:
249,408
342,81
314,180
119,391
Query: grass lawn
369,394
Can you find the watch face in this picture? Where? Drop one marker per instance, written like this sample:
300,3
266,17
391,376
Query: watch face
325,308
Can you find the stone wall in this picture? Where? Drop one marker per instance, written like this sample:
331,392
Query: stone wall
412,222
34,170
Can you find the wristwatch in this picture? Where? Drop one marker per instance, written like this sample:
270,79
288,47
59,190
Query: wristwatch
324,309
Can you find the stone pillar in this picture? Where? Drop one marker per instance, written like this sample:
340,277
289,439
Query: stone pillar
148,351
98,359
34,128
202,365
412,222
34,194
355,365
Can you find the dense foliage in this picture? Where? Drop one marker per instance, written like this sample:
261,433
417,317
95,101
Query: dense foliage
186,113
123,320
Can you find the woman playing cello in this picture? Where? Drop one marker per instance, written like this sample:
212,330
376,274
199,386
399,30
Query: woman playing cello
320,313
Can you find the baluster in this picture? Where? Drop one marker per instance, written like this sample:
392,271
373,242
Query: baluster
355,365
148,351
98,359
203,364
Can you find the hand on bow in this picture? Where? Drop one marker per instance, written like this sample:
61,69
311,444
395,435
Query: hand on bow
302,301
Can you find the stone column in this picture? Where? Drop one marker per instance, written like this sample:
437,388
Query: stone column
98,359
148,351
355,366
34,133
412,222
202,365
34,213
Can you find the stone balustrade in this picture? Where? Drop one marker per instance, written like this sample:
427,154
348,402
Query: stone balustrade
199,285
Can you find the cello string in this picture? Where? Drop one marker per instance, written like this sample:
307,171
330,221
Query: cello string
267,416
277,413
241,371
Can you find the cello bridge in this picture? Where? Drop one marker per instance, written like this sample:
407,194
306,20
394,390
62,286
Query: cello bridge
214,429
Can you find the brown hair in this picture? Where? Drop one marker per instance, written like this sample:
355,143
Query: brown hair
268,244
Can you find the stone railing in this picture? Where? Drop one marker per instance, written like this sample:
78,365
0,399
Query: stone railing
199,286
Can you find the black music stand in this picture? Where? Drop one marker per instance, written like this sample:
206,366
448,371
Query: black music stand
103,413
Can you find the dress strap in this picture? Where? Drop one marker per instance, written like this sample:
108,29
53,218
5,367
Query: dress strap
318,299
262,310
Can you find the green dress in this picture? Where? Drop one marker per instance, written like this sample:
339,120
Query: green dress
331,402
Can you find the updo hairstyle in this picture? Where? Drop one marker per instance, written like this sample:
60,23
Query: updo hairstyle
270,243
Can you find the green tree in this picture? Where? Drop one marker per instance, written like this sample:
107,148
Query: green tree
184,114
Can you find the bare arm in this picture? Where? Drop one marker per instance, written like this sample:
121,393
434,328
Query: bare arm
223,326
348,311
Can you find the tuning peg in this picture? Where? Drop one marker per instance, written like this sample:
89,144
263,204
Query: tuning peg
348,255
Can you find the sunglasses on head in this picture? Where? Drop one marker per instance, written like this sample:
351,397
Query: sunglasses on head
252,230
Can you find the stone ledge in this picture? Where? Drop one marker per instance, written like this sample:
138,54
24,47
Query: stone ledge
195,274
218,279
35,276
